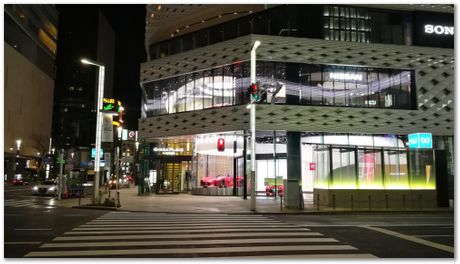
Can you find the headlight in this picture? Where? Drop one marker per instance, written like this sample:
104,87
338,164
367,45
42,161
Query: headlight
51,189
35,188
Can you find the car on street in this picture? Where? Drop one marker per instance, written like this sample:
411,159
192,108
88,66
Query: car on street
45,188
122,183
20,181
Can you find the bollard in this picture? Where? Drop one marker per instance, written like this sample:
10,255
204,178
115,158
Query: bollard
352,202
317,202
404,201
100,195
118,199
333,201
370,207
386,201
281,203
109,194
79,200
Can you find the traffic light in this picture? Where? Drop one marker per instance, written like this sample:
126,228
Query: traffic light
221,144
254,91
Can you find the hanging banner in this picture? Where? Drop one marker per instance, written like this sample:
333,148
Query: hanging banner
107,128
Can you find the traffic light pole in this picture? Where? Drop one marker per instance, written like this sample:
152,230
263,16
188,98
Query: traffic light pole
253,128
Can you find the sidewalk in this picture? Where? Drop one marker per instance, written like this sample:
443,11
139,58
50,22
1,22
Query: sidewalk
187,203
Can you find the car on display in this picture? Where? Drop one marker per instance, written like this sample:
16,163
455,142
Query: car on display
270,190
220,181
45,188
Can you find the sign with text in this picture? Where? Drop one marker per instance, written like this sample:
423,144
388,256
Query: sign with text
420,141
312,166
93,153
110,105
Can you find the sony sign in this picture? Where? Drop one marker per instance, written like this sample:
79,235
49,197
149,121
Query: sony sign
345,76
439,30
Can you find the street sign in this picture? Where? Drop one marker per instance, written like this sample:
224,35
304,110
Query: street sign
60,160
420,141
312,166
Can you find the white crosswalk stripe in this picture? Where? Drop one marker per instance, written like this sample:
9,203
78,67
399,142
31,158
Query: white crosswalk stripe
25,203
124,234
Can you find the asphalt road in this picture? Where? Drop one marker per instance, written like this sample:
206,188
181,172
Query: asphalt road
386,235
31,222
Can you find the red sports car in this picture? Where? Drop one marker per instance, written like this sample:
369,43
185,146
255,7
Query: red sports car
220,181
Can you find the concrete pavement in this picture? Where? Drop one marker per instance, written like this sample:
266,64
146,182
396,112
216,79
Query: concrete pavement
187,203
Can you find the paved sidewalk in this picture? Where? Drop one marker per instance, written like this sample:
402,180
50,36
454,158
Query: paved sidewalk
187,203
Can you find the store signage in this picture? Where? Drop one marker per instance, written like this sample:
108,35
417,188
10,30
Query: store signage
439,30
93,153
312,166
221,144
168,150
110,105
420,140
345,76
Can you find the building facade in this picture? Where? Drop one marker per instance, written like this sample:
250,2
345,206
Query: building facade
30,52
345,88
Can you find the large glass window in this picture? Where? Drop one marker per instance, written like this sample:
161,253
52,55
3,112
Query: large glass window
346,24
295,83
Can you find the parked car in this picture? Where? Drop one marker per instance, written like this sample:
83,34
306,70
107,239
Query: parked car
45,188
270,190
220,181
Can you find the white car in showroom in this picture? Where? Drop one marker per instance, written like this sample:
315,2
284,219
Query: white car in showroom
45,188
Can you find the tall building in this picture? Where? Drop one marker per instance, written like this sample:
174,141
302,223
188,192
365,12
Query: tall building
84,33
355,102
30,52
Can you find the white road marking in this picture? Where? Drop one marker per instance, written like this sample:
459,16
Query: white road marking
434,235
33,229
255,234
184,231
149,227
304,256
23,243
411,238
371,224
164,251
190,242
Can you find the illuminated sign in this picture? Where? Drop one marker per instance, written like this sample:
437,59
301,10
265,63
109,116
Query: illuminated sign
221,144
168,151
312,166
345,76
110,105
420,140
93,153
439,30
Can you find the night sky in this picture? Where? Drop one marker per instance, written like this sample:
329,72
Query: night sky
128,22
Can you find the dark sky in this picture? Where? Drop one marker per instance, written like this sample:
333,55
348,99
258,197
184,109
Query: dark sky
128,22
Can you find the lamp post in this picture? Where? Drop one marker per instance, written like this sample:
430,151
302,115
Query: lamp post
18,147
253,127
100,95
120,151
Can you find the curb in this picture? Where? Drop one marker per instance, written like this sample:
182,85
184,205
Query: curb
267,213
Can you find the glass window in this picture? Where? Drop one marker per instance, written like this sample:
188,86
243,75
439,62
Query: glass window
343,165
316,85
163,49
199,91
216,34
189,93
188,42
370,169
422,173
245,26
175,46
217,87
228,86
260,24
202,38
322,172
207,89
231,30
396,169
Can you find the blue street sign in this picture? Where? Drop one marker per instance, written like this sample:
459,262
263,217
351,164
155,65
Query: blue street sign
420,140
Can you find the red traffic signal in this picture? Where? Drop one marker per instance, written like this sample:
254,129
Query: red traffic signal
221,144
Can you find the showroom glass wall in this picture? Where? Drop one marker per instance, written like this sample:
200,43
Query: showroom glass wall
369,162
304,84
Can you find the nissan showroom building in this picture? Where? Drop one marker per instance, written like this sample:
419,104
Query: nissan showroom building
355,103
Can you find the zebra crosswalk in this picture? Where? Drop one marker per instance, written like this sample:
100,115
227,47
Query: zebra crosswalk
32,203
161,235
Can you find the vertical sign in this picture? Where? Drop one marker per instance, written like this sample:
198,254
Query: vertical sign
107,128
312,166
420,140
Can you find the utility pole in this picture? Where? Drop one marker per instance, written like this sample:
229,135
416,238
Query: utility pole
253,124
61,167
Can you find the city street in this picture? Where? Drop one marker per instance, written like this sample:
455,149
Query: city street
36,228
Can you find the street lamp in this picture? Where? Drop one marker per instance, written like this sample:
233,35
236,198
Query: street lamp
120,151
253,127
100,95
18,145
